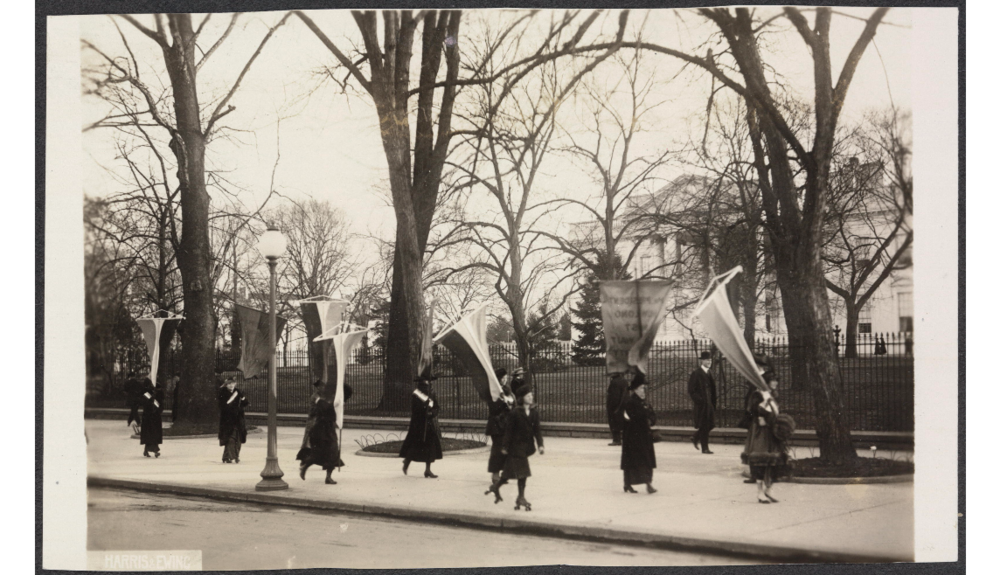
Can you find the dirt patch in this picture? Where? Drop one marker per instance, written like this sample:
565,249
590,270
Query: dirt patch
447,444
860,467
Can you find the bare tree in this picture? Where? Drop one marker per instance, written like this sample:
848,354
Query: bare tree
868,222
617,115
794,213
739,237
794,220
416,160
319,259
176,112
509,144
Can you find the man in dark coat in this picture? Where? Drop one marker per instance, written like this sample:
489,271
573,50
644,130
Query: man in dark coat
701,388
133,396
151,434
423,440
617,396
232,420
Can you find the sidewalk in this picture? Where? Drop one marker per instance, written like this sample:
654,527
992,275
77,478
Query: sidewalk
575,490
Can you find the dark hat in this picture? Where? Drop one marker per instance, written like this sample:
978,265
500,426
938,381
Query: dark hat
761,360
318,383
638,381
769,376
522,391
706,355
500,372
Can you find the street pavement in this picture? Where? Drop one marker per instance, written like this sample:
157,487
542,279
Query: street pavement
575,490
244,537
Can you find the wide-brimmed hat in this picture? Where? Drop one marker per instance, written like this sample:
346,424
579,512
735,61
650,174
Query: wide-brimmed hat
706,355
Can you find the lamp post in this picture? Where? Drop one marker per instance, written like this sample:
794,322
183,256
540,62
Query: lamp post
272,246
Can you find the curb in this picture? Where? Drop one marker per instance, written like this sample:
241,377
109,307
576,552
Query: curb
520,526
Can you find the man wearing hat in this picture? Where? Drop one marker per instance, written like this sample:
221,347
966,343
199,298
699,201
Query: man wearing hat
617,395
517,379
701,388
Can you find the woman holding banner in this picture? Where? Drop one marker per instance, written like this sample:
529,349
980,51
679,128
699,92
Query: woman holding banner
765,450
322,447
496,426
423,442
638,455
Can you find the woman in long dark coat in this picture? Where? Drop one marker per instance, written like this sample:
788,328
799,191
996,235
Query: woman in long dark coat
496,426
310,419
324,449
232,420
423,440
523,432
638,456
151,434
764,452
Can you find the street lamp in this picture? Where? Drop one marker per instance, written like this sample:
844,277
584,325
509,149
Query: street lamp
272,246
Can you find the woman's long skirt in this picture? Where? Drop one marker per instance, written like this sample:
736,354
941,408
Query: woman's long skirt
763,452
497,458
516,468
232,449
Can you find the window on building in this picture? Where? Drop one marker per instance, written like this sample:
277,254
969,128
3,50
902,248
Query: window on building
865,319
905,311
645,265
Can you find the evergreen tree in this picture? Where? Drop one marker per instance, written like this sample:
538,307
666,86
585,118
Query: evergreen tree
588,348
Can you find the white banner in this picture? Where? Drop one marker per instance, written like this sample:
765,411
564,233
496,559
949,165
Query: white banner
467,340
716,315
151,328
343,342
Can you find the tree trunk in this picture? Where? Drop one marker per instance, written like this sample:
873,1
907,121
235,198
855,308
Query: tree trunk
851,334
399,369
793,226
197,395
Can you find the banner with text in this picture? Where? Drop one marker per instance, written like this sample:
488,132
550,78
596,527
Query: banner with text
632,312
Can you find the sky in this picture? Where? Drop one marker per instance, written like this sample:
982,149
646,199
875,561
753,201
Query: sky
319,142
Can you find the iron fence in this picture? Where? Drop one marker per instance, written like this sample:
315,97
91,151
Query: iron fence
876,382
